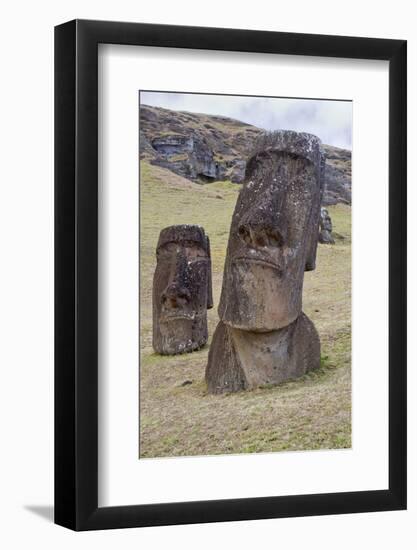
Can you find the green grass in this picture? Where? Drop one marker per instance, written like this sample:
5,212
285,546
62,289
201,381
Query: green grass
178,157
313,412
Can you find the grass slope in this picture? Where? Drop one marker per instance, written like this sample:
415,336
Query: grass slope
313,412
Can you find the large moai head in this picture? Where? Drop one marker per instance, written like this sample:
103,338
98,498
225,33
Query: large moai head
274,232
182,290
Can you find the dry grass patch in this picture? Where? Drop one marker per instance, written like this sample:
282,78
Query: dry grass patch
313,412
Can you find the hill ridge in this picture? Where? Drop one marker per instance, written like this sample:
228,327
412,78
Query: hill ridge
205,148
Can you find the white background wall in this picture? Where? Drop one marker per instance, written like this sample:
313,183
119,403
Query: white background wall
26,285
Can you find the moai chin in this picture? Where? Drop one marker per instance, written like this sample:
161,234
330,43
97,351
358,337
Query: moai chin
263,337
182,290
326,227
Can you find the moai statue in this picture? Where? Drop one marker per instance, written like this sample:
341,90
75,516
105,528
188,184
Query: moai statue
182,290
263,337
326,227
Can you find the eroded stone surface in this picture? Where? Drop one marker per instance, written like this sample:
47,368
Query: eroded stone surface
182,290
272,241
191,157
326,227
273,235
256,359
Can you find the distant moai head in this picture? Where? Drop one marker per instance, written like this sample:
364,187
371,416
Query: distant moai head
182,290
274,232
325,220
326,227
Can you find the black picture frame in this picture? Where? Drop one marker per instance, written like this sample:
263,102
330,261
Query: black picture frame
76,272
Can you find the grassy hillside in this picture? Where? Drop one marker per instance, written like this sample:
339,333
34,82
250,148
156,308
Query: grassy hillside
228,138
313,412
224,143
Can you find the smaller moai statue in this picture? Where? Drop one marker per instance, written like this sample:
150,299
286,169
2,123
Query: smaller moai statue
326,227
182,290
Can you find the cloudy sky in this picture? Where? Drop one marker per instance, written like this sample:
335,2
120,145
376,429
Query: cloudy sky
331,121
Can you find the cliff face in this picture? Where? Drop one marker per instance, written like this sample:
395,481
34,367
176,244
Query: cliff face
206,148
338,176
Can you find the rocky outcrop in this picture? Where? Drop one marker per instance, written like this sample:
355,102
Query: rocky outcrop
338,176
188,156
199,147
204,148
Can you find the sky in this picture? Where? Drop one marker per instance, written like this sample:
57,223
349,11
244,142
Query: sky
331,121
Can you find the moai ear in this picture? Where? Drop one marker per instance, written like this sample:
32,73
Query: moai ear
312,241
209,278
313,236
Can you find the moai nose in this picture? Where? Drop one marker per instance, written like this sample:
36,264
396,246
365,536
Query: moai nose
175,296
260,235
264,225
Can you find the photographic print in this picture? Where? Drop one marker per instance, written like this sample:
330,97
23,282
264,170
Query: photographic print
245,274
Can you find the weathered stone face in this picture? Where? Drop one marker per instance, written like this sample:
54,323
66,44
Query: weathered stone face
326,227
263,336
181,290
274,232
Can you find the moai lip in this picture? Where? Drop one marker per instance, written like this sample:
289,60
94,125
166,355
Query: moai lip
273,240
326,227
182,290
